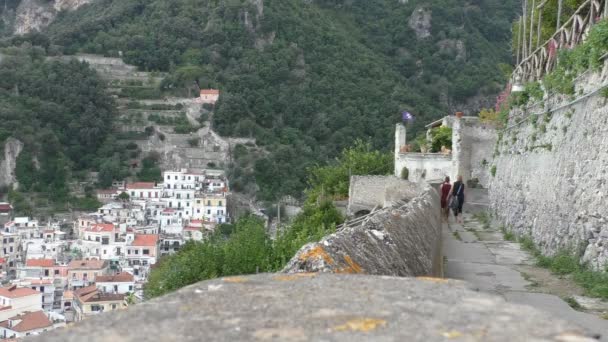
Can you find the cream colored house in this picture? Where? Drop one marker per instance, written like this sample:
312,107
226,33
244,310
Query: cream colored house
90,301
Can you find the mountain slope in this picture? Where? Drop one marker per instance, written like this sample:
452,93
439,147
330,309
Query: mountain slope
306,78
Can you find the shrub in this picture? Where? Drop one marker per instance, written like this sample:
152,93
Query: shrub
405,173
493,170
194,142
441,136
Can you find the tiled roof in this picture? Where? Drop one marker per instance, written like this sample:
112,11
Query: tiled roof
5,207
210,92
101,227
40,263
68,295
92,294
141,185
17,292
87,264
145,240
123,277
191,228
29,321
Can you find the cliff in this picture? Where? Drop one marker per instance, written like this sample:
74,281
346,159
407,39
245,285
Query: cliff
12,148
34,15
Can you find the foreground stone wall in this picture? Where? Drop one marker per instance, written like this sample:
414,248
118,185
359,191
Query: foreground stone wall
551,177
403,239
322,307
369,192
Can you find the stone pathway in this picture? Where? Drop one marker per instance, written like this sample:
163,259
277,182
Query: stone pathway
482,257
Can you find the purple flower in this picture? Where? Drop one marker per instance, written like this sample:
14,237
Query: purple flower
407,116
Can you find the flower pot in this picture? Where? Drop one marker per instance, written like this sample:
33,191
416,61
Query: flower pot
459,114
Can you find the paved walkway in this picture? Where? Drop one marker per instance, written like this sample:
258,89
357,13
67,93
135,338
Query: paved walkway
483,258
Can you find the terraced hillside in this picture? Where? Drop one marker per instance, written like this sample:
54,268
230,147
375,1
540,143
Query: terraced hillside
177,128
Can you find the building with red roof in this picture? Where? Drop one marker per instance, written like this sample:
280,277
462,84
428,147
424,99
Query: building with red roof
209,96
26,324
16,300
144,190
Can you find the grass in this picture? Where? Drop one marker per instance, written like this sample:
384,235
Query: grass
507,235
528,278
573,303
565,263
457,236
483,218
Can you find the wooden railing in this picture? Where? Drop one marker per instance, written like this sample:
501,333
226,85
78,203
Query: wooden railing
542,60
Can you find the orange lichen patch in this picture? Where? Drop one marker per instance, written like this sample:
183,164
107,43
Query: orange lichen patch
352,268
361,324
433,279
317,252
235,280
291,277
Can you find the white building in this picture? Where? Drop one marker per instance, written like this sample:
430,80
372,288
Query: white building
121,283
15,300
28,324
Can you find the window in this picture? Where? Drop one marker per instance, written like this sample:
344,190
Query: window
198,201
115,288
84,276
208,202
198,211
168,177
208,211
56,272
46,273
128,251
132,193
220,204
113,306
146,251
96,308
187,204
137,251
130,287
175,177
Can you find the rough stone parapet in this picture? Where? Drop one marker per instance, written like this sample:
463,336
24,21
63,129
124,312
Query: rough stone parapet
403,239
322,307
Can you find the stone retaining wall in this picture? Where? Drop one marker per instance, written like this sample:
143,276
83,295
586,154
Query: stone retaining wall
551,177
403,239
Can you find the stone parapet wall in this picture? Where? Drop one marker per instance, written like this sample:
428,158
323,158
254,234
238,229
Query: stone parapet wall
403,239
322,307
551,179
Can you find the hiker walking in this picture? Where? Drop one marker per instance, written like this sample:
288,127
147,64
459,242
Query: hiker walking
457,199
446,187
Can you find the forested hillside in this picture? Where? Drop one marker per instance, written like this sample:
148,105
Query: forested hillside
306,78
61,113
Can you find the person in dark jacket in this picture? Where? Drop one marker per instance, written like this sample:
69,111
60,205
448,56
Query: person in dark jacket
458,193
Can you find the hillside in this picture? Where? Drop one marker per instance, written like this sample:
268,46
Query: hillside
305,78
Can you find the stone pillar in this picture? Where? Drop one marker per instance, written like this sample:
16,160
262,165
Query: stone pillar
400,140
458,153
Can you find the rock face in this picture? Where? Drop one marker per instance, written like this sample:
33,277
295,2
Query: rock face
34,15
551,175
403,239
322,307
420,22
12,148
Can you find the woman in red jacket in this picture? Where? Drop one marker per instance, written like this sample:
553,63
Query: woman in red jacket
445,193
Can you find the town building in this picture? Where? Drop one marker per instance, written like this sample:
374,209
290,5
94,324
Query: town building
209,96
16,300
28,324
90,301
82,273
121,283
